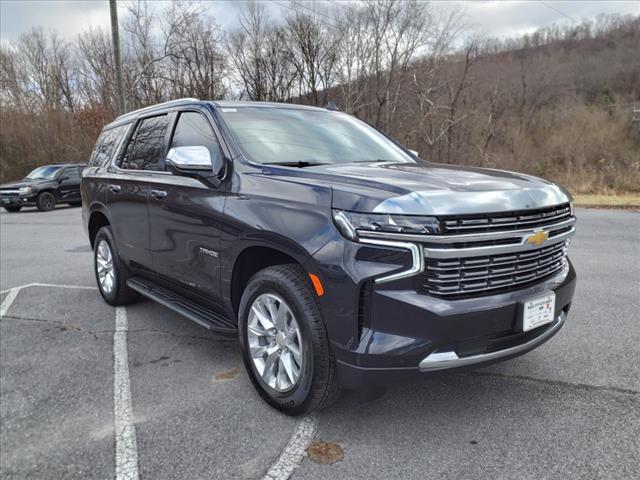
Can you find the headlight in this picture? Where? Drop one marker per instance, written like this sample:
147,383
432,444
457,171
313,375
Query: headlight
349,223
25,190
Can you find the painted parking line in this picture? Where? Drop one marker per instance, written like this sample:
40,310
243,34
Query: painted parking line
48,285
125,431
125,434
6,303
295,449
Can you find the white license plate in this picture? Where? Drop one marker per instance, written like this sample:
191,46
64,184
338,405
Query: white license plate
538,311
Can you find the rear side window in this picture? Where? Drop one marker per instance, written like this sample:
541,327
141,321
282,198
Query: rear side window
72,172
106,146
146,147
193,129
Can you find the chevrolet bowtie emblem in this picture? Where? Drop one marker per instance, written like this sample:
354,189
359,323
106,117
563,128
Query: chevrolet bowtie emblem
537,238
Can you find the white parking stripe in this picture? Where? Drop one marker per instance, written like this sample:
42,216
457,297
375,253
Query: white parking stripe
125,431
294,451
49,285
6,303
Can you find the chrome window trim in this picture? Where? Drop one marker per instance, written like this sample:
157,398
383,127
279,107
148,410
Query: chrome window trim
444,360
417,257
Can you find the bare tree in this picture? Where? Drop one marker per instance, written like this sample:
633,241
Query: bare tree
312,45
196,63
258,52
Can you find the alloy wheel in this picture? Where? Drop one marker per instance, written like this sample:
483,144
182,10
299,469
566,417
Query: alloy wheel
104,264
275,342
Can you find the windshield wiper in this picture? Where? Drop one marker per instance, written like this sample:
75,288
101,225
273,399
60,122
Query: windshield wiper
299,164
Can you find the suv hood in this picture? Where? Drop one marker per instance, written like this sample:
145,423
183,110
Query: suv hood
23,183
434,189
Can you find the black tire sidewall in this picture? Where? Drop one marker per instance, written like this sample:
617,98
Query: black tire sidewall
40,201
294,400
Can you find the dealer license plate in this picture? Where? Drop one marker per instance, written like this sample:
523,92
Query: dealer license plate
538,311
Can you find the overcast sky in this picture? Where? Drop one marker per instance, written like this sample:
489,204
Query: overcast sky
494,18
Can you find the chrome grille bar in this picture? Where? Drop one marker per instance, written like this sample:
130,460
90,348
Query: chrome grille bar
507,221
454,277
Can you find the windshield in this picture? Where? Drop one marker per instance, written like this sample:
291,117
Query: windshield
45,173
298,137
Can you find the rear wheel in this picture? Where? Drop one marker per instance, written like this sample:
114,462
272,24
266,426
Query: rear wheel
46,201
284,341
13,208
111,272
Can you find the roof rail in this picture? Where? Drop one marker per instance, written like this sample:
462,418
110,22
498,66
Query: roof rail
158,105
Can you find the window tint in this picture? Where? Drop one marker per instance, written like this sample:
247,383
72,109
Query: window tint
146,146
72,172
193,129
106,145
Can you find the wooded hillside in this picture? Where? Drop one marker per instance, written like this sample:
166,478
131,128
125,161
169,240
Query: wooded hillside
558,103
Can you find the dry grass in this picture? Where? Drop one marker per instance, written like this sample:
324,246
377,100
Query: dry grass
631,202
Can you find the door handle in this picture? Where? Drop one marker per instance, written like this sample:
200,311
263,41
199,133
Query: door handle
115,188
158,193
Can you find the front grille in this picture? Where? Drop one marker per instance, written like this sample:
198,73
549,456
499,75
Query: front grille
493,222
470,276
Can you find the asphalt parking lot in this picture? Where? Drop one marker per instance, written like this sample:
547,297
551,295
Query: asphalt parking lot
570,409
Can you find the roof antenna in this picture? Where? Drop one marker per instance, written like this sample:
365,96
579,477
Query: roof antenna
332,106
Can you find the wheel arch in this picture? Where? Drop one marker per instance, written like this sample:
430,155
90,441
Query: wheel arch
97,220
250,261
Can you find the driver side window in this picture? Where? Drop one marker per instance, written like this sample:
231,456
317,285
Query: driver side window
193,129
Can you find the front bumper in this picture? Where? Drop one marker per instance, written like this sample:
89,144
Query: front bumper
409,336
16,200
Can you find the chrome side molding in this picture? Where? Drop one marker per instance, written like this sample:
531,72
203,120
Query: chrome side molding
443,360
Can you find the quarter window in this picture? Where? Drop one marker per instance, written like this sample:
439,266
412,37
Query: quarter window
193,129
106,145
146,147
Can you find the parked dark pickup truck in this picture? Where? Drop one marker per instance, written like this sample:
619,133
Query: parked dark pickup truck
44,187
335,255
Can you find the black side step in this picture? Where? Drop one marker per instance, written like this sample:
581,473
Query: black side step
194,312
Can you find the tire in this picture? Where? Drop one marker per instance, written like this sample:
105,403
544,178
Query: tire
46,202
315,386
118,293
13,208
74,204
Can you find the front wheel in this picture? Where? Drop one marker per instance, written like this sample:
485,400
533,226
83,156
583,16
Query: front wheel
46,201
111,272
284,341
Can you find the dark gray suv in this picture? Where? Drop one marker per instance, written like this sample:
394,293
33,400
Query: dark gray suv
335,255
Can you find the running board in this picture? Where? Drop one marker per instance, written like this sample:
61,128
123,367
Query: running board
202,316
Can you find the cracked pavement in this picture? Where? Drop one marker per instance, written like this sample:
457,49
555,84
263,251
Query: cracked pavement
570,409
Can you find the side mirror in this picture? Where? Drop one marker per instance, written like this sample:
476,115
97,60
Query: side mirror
195,161
190,158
